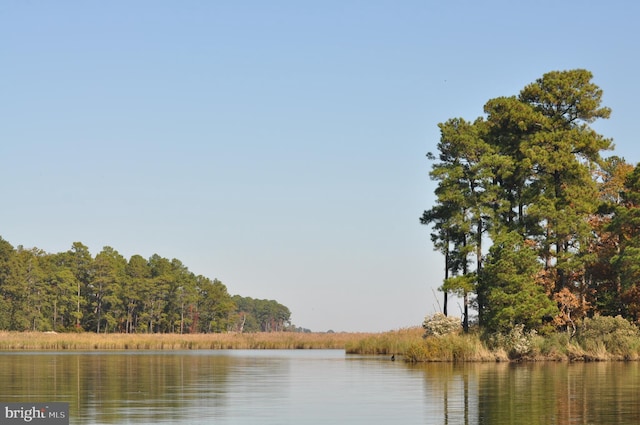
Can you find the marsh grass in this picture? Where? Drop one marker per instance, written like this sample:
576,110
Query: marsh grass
91,341
596,343
454,348
386,343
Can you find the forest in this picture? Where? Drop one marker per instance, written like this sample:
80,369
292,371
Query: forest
74,291
537,226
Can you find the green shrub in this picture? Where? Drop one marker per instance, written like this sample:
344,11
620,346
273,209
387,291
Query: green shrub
616,334
551,346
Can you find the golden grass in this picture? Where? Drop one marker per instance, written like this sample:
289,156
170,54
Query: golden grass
392,342
92,341
453,348
406,343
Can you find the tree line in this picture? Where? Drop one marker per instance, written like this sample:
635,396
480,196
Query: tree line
537,227
74,291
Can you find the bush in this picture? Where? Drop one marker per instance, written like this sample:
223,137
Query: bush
517,343
552,346
438,325
615,334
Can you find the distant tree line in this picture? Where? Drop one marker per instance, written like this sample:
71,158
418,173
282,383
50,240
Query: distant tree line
536,227
74,291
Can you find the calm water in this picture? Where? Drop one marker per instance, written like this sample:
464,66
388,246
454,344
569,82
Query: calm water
317,387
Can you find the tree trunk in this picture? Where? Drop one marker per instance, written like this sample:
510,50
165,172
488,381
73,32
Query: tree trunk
465,321
446,276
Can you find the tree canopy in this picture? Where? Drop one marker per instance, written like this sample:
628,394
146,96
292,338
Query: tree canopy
75,291
536,226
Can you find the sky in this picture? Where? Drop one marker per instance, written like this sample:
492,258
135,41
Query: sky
278,146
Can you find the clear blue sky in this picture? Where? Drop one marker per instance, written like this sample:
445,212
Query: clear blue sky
278,146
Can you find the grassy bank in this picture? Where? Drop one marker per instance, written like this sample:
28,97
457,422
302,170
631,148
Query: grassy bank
597,340
92,341
556,347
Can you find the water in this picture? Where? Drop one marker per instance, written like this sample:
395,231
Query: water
317,387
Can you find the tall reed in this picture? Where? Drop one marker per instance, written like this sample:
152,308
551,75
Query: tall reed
92,341
392,342
453,348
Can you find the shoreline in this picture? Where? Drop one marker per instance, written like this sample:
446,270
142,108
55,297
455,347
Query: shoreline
405,344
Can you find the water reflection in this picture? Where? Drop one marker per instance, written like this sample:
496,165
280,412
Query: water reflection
317,387
533,393
117,387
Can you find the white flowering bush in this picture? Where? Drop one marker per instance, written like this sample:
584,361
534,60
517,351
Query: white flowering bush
438,324
517,342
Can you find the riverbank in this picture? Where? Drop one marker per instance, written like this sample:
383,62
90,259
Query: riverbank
407,344
525,348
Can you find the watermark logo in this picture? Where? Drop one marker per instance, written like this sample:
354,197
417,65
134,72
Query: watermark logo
34,413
